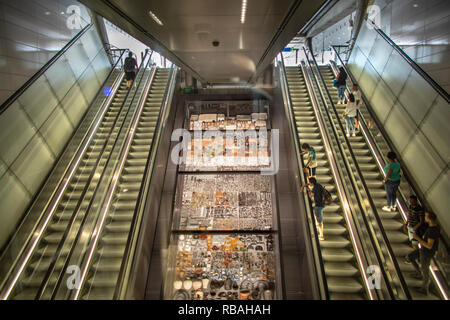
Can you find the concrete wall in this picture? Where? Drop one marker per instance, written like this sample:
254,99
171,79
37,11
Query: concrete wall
31,32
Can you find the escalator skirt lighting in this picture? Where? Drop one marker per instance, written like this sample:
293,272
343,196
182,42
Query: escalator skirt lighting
97,230
55,205
340,191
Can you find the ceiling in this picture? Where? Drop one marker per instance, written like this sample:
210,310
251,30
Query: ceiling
190,27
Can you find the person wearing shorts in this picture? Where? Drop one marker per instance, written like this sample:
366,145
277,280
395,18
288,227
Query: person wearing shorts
311,163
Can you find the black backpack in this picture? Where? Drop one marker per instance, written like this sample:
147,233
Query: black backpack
326,196
129,64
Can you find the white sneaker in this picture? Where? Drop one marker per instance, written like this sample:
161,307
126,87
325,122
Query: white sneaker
348,135
386,208
394,208
353,134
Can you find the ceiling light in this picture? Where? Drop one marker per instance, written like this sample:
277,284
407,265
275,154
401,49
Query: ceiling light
415,5
155,18
243,10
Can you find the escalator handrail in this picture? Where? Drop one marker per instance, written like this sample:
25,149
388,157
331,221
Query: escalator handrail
442,92
309,206
366,190
42,70
104,199
141,200
61,181
74,216
406,173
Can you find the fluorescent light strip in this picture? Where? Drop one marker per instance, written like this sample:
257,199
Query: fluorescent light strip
438,283
243,10
116,180
50,215
341,194
155,18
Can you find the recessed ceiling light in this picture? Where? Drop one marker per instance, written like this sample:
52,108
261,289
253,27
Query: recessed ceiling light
47,13
155,18
415,5
243,10
62,12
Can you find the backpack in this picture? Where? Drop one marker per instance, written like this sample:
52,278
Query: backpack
326,196
129,64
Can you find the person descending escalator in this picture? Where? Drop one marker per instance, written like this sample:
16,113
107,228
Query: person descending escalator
351,110
320,196
428,247
340,84
392,181
311,163
130,66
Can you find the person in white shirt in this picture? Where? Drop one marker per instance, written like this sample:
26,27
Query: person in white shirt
357,94
349,114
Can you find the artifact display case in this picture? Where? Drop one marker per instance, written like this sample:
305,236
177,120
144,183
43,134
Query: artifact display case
223,240
223,202
221,267
235,151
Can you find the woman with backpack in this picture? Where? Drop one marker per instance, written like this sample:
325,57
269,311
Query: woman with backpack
321,197
392,181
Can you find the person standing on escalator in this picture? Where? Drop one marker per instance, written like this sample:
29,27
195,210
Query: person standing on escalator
428,247
340,84
130,67
319,204
392,181
311,163
351,110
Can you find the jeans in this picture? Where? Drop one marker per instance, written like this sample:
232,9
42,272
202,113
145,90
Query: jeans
319,213
350,123
341,93
425,259
391,192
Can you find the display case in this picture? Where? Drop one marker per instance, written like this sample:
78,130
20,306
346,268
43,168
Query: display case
223,202
221,267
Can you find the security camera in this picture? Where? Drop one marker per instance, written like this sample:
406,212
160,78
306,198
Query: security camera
215,43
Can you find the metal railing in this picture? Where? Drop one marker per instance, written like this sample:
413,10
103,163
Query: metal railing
318,261
380,157
42,70
48,208
130,253
372,205
442,92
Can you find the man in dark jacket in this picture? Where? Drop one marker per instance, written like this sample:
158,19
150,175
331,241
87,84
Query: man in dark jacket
130,65
317,194
429,244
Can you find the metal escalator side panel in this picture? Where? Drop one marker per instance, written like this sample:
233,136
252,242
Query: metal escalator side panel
50,195
340,284
392,222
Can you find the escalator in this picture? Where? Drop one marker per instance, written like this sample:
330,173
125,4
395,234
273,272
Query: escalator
83,179
107,260
392,221
343,277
